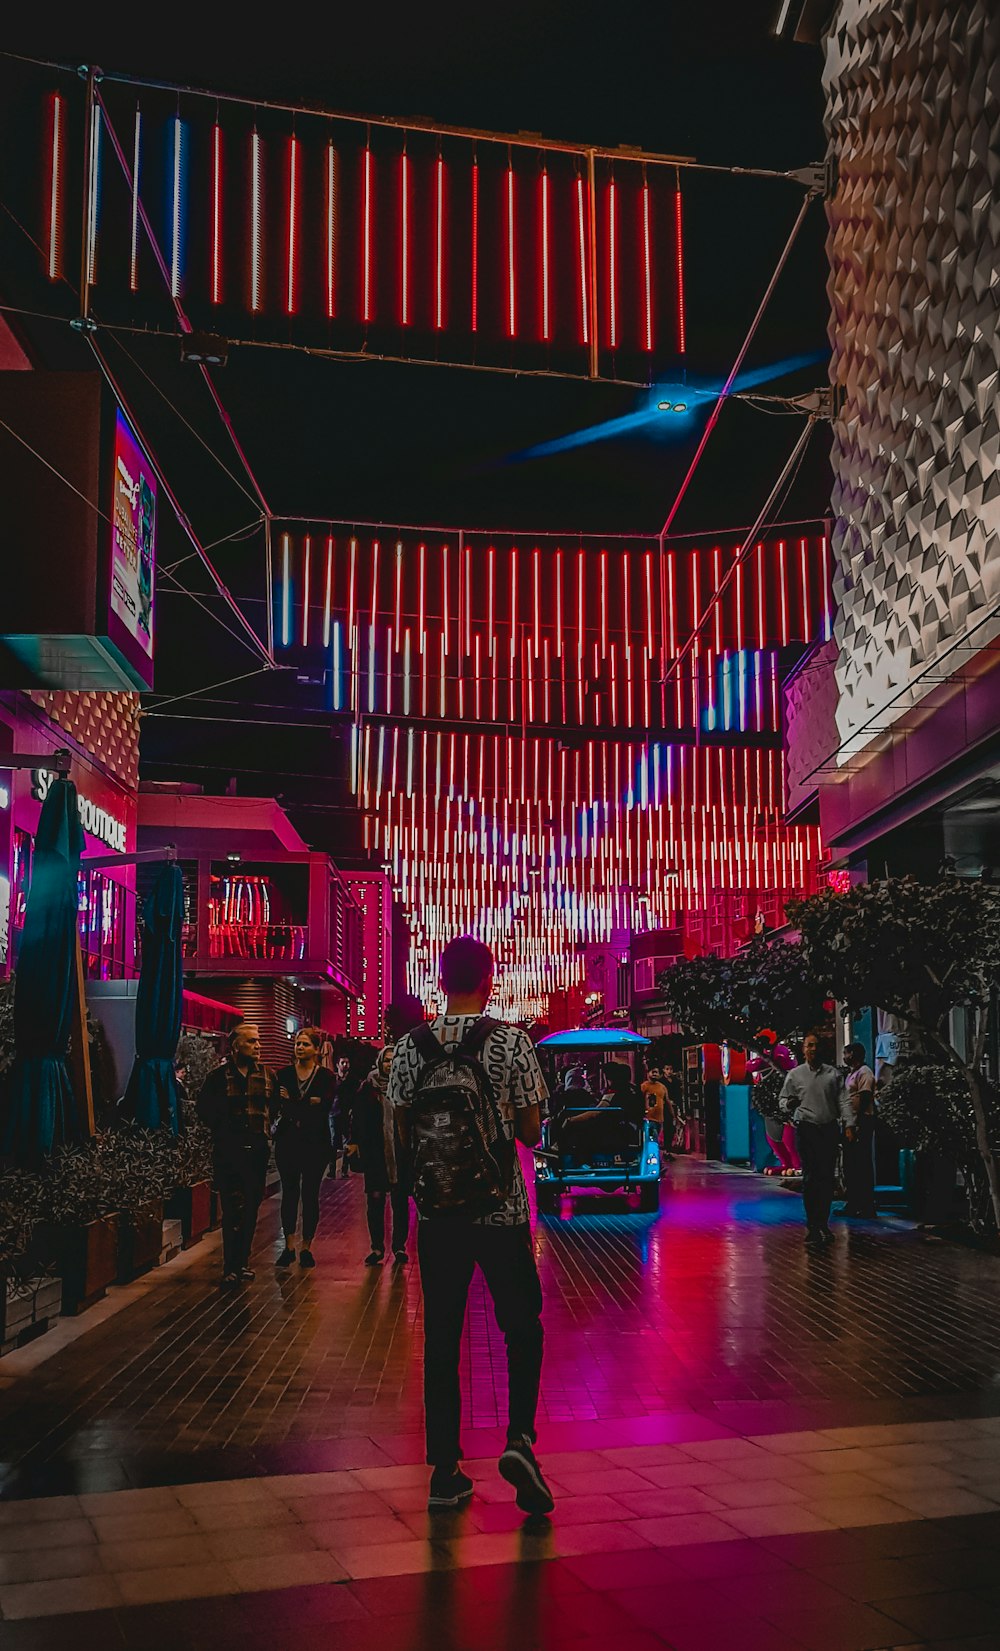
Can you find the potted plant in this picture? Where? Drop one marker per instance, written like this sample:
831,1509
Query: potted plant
77,1233
29,1298
196,1057
136,1179
190,1168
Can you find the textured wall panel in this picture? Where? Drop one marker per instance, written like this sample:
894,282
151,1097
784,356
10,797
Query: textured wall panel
914,243
810,723
105,724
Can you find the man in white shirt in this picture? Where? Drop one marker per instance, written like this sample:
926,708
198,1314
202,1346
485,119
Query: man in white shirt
449,1250
859,1135
814,1094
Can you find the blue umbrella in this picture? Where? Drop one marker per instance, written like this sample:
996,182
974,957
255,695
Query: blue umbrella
41,1110
151,1096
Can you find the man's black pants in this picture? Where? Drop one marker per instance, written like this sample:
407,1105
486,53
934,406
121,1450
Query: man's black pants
399,1203
449,1252
818,1145
859,1166
240,1174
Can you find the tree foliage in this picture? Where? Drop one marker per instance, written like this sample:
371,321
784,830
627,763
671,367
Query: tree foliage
769,983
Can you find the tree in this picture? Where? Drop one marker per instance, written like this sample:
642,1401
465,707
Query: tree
917,950
769,983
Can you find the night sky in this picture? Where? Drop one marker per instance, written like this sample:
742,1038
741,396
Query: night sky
425,444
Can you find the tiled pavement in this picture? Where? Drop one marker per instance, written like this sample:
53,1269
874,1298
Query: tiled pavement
752,1448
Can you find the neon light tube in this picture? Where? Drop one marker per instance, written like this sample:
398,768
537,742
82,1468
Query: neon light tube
398,617
337,666
388,673
716,598
825,575
306,575
647,266
286,593
679,252
404,239
371,667
133,272
511,293
806,614
216,214
475,246
546,318
439,245
256,212
612,265
783,591
582,231
95,196
291,290
56,172
331,230
328,595
367,252
761,592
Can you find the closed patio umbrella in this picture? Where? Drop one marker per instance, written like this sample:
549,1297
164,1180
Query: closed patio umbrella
41,1110
151,1096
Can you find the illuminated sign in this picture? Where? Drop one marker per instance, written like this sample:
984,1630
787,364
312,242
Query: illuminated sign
97,821
133,550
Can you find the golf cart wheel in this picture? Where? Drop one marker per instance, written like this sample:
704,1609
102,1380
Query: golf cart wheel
649,1197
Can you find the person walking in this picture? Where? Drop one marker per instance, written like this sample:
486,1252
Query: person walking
384,1162
859,1135
346,1090
659,1110
815,1096
465,1089
302,1141
236,1103
772,1059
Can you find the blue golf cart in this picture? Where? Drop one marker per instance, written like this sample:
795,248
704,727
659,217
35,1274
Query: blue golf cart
610,1152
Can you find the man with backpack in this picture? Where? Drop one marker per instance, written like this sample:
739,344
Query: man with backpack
467,1088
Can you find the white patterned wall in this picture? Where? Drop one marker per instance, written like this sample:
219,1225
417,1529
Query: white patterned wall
913,115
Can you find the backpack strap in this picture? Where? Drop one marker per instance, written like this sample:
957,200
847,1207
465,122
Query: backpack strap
426,1044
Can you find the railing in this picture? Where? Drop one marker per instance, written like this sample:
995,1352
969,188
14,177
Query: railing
259,942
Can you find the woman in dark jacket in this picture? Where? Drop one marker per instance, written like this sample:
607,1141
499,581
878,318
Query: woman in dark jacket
302,1141
385,1164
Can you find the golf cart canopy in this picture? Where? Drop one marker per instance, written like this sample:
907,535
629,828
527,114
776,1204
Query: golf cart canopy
593,1037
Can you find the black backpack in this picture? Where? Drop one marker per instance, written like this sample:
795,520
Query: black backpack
463,1159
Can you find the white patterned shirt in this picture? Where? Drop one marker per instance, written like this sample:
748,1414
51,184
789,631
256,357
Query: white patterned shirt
511,1065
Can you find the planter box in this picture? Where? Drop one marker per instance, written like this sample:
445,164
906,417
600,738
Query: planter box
140,1240
26,1310
173,1241
86,1258
192,1206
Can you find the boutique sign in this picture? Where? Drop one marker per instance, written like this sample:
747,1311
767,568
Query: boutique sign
98,822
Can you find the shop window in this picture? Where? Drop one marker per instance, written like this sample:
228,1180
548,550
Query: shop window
259,911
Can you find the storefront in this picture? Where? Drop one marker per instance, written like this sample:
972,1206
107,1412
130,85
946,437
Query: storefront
100,734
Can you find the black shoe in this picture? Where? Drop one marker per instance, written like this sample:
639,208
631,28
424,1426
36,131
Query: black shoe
450,1487
375,1258
520,1469
400,1257
229,1281
814,1239
306,1258
286,1257
826,1236
247,1275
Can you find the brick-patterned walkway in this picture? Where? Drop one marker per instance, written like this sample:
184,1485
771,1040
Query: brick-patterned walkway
753,1447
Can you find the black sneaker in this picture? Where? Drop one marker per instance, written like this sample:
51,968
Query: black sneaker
307,1259
374,1259
520,1469
814,1239
286,1258
400,1257
248,1275
826,1236
450,1487
229,1281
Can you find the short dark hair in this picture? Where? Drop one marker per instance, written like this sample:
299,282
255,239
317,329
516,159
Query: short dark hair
855,1049
465,964
403,1015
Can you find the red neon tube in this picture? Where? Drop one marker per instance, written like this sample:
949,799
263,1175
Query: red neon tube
398,615
216,214
57,172
804,562
648,561
582,232
559,603
716,598
604,604
404,239
546,318
511,254
331,230
306,573
367,237
536,574
612,265
761,594
291,291
679,253
647,267
328,598
439,245
783,592
475,246
256,223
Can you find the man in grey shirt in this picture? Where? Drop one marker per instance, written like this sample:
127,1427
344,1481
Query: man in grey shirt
815,1096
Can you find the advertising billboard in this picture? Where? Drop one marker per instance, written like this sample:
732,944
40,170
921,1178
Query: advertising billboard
133,550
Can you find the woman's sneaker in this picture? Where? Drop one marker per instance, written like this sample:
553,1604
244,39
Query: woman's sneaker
450,1487
520,1468
286,1258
